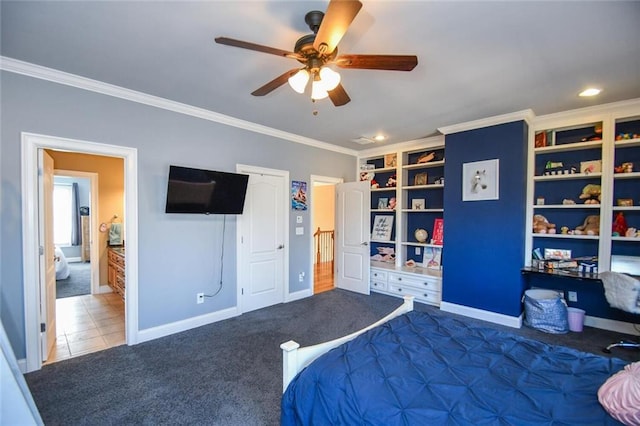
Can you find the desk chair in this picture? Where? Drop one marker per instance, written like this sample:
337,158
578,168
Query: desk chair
622,292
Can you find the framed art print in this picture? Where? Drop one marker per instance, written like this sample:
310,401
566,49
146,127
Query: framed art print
480,180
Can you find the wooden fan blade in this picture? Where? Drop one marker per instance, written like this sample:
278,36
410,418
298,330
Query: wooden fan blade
339,96
378,62
275,83
257,47
335,23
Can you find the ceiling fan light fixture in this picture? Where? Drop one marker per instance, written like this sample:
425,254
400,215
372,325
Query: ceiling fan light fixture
329,78
318,90
299,80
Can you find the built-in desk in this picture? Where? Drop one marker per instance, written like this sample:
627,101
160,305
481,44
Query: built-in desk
580,290
561,273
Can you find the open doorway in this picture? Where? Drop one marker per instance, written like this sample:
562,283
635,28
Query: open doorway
42,328
88,317
75,195
323,196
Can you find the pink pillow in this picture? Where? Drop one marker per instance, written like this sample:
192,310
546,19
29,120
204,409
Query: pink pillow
620,395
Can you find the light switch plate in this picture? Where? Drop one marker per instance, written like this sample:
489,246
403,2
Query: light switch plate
298,219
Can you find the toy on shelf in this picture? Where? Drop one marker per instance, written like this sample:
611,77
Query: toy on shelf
568,202
374,184
391,182
542,226
591,226
632,233
624,168
596,136
385,254
625,136
392,203
591,194
619,226
425,158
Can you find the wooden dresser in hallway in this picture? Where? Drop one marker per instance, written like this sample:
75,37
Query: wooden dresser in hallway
116,276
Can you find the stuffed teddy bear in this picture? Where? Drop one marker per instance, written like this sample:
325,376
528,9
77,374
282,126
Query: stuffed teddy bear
591,226
542,226
591,194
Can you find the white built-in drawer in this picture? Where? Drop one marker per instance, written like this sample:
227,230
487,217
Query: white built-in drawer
419,282
425,296
377,285
379,276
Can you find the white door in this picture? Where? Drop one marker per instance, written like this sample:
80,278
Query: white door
352,236
47,256
262,229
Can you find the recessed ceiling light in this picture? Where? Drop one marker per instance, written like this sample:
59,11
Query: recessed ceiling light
592,91
379,138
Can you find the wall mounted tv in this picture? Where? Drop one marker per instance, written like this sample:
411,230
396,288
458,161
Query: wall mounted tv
205,191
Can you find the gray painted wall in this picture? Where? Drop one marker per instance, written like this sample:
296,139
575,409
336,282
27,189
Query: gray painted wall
179,255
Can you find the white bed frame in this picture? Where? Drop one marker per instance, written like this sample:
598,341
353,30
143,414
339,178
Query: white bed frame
295,358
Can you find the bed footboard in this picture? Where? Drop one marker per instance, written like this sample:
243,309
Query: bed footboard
295,358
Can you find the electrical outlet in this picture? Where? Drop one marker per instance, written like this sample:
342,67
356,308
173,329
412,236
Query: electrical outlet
572,296
200,298
418,250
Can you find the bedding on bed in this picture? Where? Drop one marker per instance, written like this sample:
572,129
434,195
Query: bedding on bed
422,369
62,266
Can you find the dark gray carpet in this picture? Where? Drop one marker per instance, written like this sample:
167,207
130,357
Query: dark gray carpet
78,282
227,373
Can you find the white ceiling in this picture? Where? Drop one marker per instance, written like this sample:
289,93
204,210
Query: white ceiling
475,59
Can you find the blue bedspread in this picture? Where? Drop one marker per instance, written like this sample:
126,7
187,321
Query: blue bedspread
421,369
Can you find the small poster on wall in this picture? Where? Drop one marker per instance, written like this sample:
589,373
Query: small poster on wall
382,227
298,195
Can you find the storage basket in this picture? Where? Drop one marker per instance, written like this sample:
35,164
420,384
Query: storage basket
545,310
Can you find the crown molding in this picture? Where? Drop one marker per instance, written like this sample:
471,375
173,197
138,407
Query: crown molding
630,107
526,115
55,76
415,144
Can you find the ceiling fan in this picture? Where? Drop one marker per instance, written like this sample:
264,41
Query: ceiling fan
316,51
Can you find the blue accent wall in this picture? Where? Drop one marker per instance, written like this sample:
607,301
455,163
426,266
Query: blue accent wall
484,240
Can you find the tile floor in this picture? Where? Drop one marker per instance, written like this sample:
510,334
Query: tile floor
87,324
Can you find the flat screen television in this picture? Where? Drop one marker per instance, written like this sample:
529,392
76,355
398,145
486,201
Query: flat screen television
205,191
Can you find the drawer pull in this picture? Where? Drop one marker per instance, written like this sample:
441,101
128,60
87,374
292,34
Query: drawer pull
399,278
399,290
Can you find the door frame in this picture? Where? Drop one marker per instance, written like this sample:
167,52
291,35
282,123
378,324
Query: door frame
313,179
30,145
94,253
240,261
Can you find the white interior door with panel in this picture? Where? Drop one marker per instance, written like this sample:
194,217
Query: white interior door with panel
352,236
262,237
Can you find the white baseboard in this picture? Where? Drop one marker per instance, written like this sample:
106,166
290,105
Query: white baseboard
74,259
611,325
22,365
187,324
514,322
104,289
298,295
